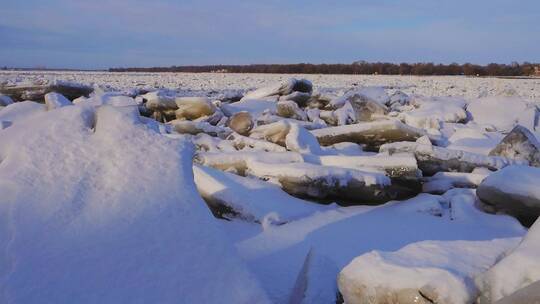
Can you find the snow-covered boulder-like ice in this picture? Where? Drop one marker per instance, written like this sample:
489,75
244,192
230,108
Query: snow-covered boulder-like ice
372,134
518,270
424,272
513,190
55,100
232,196
503,112
520,144
191,108
241,123
275,132
110,215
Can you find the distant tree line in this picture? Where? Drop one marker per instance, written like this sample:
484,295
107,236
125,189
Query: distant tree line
359,67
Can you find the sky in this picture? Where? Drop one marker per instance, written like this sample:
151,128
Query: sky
98,34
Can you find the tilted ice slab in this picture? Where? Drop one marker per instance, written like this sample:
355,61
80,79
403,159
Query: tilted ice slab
108,213
249,199
238,161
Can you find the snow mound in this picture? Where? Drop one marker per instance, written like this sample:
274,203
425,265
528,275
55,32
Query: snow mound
518,270
423,272
108,215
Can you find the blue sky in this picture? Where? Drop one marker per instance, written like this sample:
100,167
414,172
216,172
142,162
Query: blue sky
113,33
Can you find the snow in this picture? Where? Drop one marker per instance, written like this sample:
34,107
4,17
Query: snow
503,112
519,269
444,181
473,139
21,111
301,140
108,216
276,255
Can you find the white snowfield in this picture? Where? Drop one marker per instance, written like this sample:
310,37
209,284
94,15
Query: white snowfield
237,188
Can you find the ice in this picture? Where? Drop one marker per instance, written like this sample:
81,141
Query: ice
55,100
519,144
241,123
108,216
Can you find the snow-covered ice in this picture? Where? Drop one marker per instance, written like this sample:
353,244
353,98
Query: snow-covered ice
230,188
